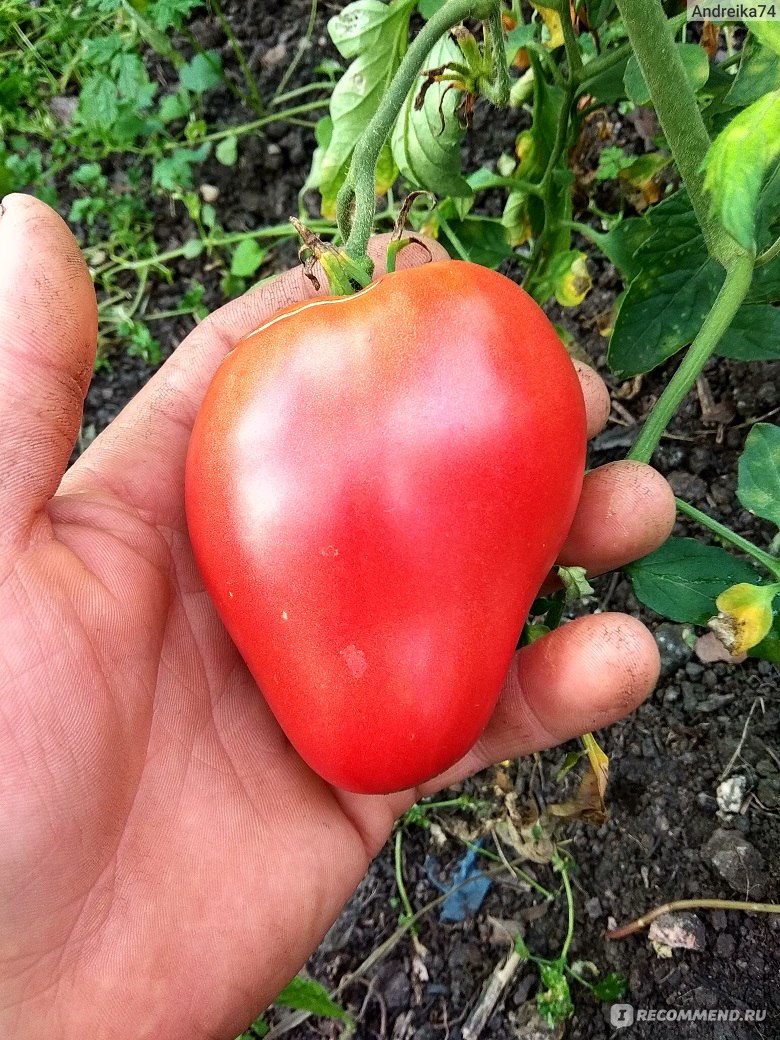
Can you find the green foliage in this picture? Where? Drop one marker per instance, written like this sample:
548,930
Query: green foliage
374,36
695,64
301,994
309,995
737,163
683,578
425,142
759,473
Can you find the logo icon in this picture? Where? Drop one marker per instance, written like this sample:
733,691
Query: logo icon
621,1015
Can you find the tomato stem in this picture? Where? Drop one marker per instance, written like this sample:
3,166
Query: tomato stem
678,113
771,563
356,203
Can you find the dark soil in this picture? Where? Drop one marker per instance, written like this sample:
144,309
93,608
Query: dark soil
666,759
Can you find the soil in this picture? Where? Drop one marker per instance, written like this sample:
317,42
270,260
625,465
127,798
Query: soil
666,760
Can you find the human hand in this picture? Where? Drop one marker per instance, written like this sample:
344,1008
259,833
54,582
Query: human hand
167,861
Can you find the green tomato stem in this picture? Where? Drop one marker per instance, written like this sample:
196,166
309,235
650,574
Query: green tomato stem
727,535
728,302
768,254
604,62
356,203
399,880
573,55
675,104
564,869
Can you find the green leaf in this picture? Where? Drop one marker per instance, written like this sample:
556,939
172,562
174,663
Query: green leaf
612,987
599,11
518,38
170,14
247,258
767,33
98,102
174,106
308,995
175,171
769,647
621,243
102,49
194,247
554,1003
609,86
682,579
737,162
754,334
669,298
758,74
695,63
430,7
202,73
227,151
375,35
759,473
482,240
426,143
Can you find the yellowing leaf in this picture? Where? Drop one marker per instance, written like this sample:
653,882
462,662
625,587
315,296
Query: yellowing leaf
570,277
744,616
737,163
552,20
588,801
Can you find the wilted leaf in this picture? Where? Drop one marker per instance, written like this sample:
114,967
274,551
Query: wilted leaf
425,141
374,34
744,616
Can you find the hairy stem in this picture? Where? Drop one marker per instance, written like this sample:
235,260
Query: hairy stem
678,112
356,202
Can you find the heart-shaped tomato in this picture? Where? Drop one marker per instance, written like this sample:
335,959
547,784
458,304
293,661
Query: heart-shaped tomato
376,487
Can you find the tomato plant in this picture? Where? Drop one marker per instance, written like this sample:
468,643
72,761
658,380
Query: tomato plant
377,485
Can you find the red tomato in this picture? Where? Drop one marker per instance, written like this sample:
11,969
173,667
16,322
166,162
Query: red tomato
376,488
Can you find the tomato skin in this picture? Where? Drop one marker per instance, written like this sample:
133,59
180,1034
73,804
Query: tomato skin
376,487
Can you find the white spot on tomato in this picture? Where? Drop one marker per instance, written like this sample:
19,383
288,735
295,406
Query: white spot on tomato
355,660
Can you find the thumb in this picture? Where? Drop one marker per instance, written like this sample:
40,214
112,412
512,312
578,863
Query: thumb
48,333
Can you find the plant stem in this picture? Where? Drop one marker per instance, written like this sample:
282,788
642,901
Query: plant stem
251,82
248,128
768,254
213,242
573,55
691,904
728,302
399,880
359,188
608,60
674,100
564,868
302,45
727,535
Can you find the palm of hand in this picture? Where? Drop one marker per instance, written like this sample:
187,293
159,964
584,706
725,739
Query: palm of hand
159,834
150,757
